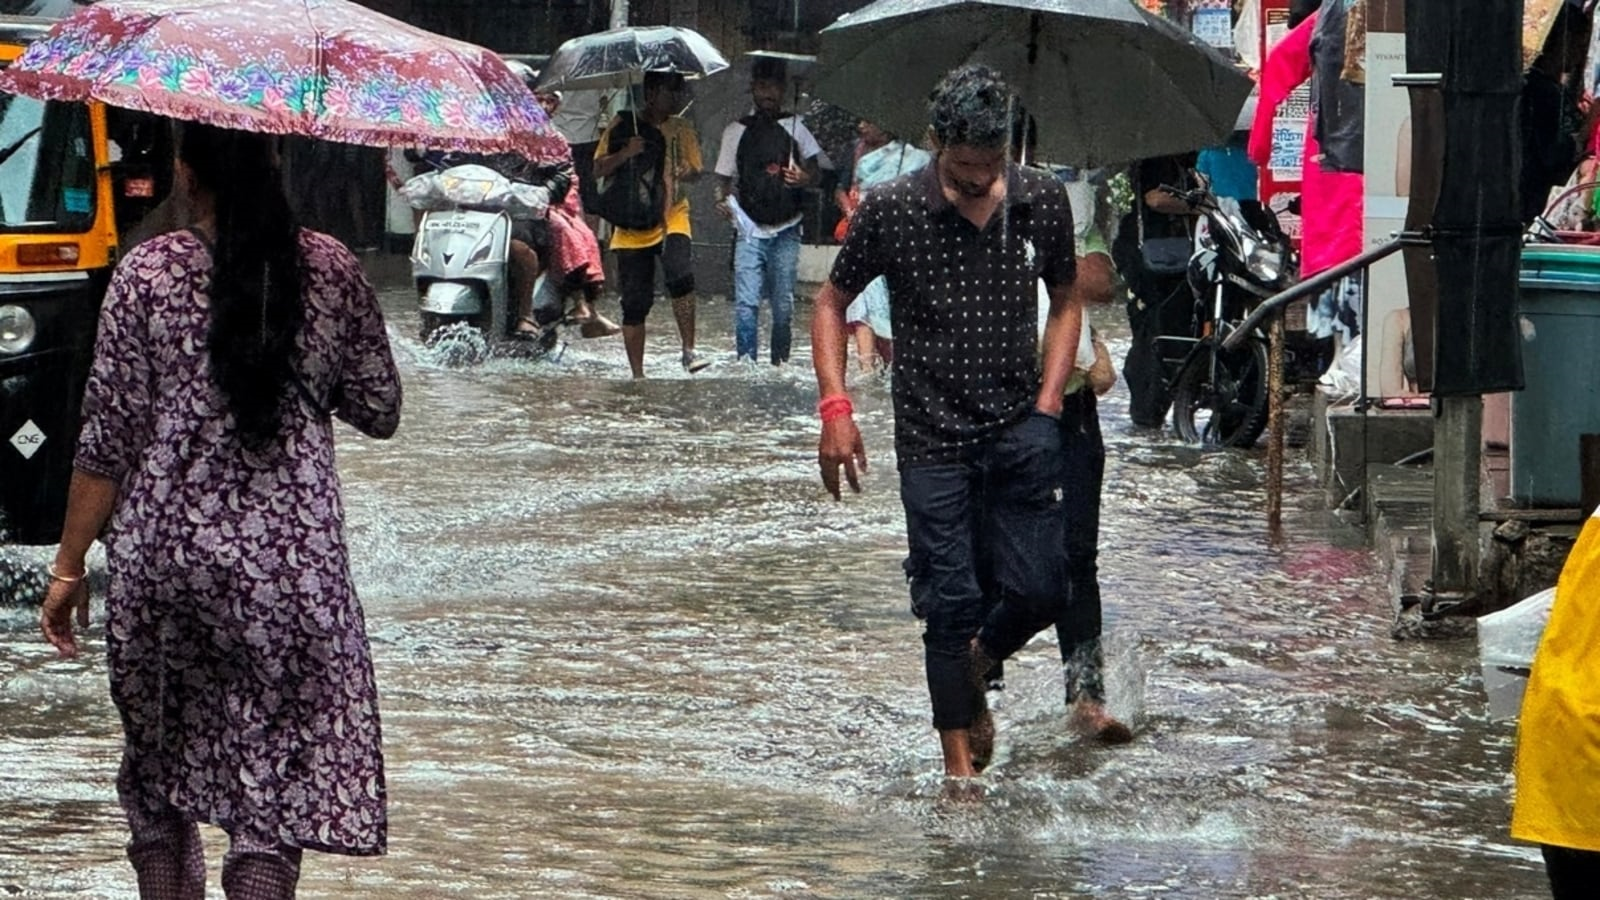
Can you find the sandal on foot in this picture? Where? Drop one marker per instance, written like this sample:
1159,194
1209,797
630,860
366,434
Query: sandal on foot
527,330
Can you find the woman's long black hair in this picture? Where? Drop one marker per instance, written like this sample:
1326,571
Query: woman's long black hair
256,305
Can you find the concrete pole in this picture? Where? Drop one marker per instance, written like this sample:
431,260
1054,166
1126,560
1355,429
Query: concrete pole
1457,455
619,14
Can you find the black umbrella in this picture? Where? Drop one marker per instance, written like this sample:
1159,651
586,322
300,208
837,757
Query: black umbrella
1107,81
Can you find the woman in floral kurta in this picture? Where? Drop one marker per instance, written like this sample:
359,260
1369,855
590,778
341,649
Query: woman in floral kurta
237,650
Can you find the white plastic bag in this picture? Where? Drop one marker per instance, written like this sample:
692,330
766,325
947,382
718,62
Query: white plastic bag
1507,641
1343,378
475,187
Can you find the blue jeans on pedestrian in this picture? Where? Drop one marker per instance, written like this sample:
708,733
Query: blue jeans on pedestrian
1083,467
765,267
1083,453
987,556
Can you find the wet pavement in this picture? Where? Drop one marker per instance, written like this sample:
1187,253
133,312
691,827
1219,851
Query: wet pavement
626,647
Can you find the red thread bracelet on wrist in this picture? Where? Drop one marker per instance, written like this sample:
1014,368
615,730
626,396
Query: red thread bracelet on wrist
835,407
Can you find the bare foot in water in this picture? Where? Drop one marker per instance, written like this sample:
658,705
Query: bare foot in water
962,791
596,326
1090,719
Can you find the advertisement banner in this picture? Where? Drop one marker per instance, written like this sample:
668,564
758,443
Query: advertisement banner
1212,21
1391,357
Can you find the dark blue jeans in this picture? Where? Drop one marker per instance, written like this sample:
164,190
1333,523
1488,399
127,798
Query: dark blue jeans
986,538
1083,454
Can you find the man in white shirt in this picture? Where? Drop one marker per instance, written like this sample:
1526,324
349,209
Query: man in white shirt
766,161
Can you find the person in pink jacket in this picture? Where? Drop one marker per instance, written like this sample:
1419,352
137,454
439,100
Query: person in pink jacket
1330,202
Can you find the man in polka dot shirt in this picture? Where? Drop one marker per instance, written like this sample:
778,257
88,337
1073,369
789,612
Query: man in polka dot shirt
962,245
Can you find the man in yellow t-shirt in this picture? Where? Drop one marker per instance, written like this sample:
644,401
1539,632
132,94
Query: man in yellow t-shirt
651,155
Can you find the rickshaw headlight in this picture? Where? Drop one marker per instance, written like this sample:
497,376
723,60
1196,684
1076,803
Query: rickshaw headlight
17,329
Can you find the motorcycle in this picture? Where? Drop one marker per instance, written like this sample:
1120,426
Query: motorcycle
461,257
1220,397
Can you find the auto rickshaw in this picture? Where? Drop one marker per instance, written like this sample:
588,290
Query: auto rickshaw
58,242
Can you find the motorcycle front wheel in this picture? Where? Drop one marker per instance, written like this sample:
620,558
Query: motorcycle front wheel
1219,398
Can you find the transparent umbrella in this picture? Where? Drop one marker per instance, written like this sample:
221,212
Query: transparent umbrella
620,57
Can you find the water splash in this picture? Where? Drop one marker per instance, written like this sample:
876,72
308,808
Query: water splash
456,345
22,580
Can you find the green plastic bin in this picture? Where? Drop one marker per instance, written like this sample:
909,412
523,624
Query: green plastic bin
1559,311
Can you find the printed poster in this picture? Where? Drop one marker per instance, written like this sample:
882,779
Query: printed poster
1212,21
1280,180
1391,359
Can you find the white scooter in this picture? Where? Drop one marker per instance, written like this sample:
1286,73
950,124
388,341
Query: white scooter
460,263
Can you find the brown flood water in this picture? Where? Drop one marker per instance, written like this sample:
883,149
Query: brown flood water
627,649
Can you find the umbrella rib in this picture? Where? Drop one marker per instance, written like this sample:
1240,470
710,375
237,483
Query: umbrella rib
319,75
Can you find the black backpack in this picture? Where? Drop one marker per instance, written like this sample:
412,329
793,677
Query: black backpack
635,194
765,148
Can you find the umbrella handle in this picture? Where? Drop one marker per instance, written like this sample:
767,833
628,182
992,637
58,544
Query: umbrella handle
794,115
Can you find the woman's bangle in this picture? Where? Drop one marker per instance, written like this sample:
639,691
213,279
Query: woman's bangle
64,579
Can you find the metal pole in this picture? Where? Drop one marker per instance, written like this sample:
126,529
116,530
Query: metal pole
619,14
1275,428
1313,285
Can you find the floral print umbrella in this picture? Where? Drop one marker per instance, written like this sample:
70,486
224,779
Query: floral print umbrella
328,69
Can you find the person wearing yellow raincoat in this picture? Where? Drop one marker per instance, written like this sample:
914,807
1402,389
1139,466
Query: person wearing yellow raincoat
1558,742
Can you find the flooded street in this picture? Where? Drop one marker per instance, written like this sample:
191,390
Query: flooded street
628,648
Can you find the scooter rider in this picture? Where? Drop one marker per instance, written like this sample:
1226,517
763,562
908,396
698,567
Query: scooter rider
524,265
571,250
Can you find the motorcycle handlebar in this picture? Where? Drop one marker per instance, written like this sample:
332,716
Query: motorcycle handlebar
1197,199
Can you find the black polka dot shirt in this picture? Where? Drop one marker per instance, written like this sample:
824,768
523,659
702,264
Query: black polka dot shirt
963,302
